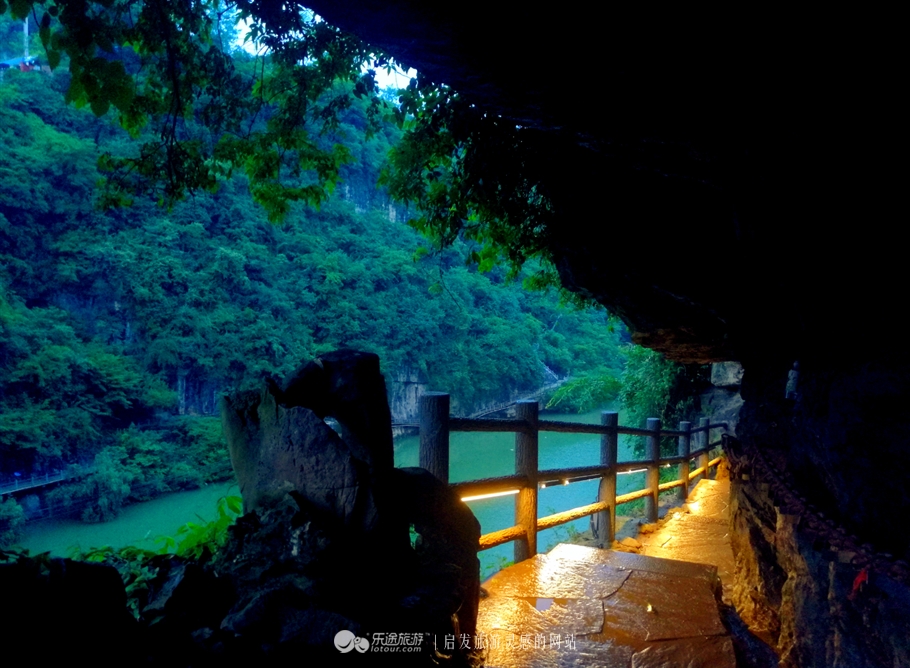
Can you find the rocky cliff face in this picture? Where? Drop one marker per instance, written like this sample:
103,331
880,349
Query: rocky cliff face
723,401
405,388
804,584
818,506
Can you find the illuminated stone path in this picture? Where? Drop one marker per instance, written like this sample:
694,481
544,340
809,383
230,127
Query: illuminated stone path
701,535
580,606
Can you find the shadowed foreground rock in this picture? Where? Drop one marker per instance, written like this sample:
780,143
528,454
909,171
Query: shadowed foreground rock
324,546
58,610
811,589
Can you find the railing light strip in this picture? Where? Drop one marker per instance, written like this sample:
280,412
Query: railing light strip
508,492
436,424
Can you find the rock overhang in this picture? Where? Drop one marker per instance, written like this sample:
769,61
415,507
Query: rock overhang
745,199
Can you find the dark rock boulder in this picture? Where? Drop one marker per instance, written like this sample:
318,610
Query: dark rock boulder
276,449
324,544
57,611
299,578
446,547
347,385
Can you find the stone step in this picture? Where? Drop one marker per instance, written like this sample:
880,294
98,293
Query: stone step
582,606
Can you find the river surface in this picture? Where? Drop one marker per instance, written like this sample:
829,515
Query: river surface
472,455
485,455
138,524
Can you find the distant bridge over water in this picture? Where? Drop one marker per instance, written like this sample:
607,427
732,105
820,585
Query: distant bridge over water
33,482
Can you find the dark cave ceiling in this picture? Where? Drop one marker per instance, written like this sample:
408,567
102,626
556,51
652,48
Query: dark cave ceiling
724,181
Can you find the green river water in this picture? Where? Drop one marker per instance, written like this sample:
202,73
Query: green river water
472,455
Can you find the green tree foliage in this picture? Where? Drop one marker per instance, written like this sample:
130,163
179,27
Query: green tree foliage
139,567
167,70
205,113
138,465
652,386
12,521
472,175
111,322
581,394
61,390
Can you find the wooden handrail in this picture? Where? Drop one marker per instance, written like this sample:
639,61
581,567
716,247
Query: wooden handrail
436,424
518,425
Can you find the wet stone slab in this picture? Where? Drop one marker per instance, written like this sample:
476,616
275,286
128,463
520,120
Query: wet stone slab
581,653
530,615
653,606
546,577
690,653
580,606
702,535
710,498
626,561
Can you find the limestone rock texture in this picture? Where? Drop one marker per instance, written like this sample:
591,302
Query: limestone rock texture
723,401
727,374
293,449
810,590
324,545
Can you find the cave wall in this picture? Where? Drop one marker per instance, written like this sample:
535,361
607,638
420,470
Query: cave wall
818,504
722,401
843,438
803,589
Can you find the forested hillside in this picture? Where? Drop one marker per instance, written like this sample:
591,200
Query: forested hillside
120,329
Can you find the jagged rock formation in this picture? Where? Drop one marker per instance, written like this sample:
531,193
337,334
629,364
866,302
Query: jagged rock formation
324,545
804,583
723,401
279,441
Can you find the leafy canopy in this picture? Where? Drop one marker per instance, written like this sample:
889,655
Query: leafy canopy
205,111
109,319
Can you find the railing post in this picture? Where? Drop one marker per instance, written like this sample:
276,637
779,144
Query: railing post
703,458
685,447
605,522
526,464
434,434
652,481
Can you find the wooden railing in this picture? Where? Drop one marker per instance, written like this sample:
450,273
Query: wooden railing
436,425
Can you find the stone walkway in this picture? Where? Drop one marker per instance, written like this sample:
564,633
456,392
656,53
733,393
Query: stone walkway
701,535
582,606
